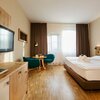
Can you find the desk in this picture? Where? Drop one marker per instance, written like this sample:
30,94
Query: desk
41,59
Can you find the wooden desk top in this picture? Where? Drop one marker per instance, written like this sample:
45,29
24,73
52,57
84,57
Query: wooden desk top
11,66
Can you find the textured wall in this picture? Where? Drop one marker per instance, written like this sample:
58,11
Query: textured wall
94,35
18,20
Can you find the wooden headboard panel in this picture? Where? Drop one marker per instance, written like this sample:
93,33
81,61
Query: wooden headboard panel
97,50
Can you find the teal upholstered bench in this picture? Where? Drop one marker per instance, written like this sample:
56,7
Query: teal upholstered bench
49,58
32,62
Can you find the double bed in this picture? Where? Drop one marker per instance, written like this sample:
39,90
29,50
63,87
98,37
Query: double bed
86,73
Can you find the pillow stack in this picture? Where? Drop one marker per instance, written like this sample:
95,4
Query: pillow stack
83,58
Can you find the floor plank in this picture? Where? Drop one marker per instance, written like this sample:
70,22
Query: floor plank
55,83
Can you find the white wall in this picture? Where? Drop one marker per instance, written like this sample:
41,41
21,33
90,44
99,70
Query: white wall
18,20
94,35
58,28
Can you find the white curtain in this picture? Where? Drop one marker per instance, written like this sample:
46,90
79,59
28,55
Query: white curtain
61,41
68,42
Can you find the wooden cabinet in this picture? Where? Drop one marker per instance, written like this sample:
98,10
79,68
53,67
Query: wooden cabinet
18,84
13,83
4,89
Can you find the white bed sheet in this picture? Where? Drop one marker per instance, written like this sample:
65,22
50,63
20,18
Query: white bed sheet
88,70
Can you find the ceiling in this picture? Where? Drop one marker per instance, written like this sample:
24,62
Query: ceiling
61,11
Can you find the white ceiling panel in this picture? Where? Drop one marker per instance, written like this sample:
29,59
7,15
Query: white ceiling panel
61,11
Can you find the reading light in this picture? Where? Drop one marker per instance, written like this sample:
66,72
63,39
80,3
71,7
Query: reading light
97,46
36,44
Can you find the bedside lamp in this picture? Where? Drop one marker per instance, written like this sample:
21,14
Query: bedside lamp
97,46
97,49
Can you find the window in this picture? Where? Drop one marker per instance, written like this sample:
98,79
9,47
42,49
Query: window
52,43
61,41
68,43
64,43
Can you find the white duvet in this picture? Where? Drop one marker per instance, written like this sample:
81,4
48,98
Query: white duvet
90,70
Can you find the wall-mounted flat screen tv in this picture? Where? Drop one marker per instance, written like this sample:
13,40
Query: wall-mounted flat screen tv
6,39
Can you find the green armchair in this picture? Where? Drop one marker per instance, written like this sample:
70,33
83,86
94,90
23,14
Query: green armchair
49,58
32,62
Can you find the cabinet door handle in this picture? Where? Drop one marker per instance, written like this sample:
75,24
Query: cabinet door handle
19,72
26,71
26,92
7,83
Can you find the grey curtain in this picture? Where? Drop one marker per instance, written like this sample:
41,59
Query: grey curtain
82,39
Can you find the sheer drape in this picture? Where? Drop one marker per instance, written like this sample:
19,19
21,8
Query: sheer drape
54,47
61,41
68,43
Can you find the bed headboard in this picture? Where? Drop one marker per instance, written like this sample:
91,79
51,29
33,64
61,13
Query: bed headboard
97,50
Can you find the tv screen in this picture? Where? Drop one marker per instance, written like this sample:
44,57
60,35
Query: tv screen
6,39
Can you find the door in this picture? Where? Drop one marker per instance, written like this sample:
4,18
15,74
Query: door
4,89
15,84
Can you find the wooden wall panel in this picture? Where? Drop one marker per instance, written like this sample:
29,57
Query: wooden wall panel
38,35
5,18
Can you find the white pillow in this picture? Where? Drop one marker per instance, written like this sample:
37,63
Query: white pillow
96,57
84,58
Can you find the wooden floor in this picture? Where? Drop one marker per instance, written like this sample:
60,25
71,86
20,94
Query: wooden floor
55,83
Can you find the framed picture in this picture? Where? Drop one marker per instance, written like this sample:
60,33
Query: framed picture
22,36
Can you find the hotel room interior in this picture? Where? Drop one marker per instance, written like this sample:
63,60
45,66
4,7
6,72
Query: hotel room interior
49,50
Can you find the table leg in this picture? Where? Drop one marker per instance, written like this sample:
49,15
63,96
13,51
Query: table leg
43,64
40,65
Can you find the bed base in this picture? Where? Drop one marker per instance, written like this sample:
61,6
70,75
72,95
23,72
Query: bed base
86,85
